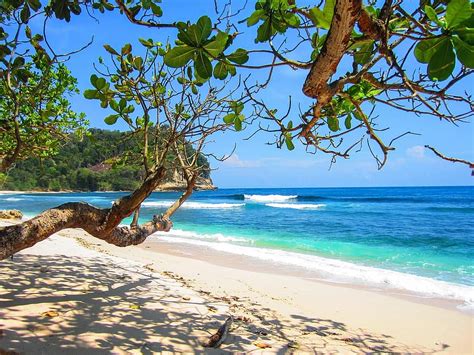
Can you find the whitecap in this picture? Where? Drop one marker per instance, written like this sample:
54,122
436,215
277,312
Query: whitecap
270,198
193,205
14,199
296,206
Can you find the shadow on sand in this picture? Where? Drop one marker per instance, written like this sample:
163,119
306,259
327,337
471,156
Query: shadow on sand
97,305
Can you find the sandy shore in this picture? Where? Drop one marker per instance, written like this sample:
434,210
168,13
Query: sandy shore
75,294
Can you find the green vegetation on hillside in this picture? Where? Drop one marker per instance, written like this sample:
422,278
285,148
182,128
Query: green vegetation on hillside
104,160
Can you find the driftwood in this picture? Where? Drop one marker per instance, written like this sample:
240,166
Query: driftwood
218,338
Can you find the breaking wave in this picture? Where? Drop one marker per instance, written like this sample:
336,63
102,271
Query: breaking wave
193,205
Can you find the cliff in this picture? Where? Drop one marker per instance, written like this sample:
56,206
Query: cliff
177,183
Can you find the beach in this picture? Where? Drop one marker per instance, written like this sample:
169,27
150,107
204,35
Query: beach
75,292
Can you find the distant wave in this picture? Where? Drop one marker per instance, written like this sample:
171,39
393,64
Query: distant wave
14,199
193,205
337,270
317,198
296,206
270,198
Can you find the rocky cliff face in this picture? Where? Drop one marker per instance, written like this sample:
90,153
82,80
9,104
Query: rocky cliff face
177,183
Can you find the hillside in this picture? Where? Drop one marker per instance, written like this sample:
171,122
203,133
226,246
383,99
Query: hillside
95,163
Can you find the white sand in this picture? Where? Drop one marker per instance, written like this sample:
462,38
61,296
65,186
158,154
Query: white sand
135,300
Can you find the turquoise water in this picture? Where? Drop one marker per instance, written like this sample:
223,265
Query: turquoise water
420,231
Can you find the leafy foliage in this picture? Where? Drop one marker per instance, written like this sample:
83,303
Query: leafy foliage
104,160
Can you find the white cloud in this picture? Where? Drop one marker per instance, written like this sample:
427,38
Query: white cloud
235,162
417,152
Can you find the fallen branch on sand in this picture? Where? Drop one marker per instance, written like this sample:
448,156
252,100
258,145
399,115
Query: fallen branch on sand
218,338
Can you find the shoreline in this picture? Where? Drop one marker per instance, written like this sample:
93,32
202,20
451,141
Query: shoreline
283,310
243,262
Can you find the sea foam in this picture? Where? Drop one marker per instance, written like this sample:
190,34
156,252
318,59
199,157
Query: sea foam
336,270
270,198
296,206
193,205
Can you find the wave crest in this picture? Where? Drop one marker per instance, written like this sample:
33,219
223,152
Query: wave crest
296,206
270,198
194,205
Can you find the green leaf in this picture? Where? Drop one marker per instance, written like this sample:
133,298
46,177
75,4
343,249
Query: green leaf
100,83
442,62
216,47
432,15
464,51
237,106
240,56
110,49
230,118
237,124
323,18
90,94
157,11
364,54
255,17
179,56
466,34
199,32
34,4
126,49
289,143
146,42
138,63
25,14
264,31
347,121
457,12
203,65
220,71
425,49
110,120
333,124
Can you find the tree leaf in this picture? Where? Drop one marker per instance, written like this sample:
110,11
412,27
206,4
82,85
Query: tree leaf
255,17
466,34
215,47
202,65
333,124
240,56
110,49
179,56
442,62
126,49
110,120
220,71
364,54
347,121
237,124
289,143
237,106
203,29
457,11
229,118
264,31
464,51
425,49
90,94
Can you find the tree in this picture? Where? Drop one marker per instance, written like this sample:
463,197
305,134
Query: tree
411,57
35,114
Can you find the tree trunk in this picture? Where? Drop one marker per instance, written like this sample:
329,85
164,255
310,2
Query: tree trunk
101,223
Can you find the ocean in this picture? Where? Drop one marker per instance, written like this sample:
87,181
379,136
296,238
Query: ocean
414,239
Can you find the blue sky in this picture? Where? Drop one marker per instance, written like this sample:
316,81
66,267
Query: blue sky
256,164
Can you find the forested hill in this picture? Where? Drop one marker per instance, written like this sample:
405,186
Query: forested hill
93,163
